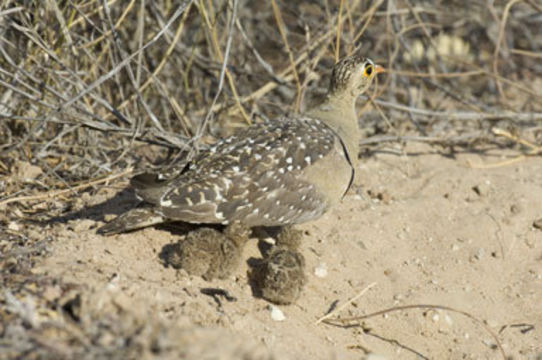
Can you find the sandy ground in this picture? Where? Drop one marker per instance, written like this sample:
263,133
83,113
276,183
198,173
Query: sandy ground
418,227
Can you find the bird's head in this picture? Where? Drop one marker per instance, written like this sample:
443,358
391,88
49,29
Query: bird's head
353,75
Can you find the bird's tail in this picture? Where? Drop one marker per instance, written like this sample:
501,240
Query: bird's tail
132,220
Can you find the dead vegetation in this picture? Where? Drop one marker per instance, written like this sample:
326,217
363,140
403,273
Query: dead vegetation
92,89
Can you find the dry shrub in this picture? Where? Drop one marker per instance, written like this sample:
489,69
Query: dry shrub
89,88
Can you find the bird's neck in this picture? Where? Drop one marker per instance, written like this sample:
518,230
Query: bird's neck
339,113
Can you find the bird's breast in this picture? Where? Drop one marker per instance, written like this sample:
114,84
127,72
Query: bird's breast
331,175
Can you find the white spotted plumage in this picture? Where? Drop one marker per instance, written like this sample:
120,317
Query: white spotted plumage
260,166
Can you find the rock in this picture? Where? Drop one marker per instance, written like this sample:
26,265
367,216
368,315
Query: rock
481,189
381,196
276,313
537,224
13,226
321,270
81,225
515,209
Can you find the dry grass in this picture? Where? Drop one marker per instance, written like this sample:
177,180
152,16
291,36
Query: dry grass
88,87
85,83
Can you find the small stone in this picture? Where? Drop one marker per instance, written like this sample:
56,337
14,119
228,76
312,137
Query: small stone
481,189
13,226
380,196
361,244
276,313
515,209
537,224
433,315
478,255
321,271
388,272
385,197
106,339
488,343
51,293
86,197
82,225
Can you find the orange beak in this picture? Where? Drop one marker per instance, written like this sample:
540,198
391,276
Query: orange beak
379,69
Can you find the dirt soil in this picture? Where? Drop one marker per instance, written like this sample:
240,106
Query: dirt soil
419,227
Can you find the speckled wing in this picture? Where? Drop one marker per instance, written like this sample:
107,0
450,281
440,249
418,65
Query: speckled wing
255,176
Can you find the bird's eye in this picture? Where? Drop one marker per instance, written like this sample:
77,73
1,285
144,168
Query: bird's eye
368,70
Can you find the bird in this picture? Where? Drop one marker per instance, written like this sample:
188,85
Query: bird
280,276
209,253
279,172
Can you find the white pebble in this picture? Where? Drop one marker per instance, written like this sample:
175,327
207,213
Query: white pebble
488,343
320,271
13,226
276,313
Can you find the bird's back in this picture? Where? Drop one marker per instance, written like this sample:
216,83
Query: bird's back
255,176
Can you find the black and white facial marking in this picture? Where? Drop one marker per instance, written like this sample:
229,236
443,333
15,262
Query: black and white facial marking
354,73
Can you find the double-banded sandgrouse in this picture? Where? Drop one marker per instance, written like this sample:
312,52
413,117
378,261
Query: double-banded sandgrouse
281,172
